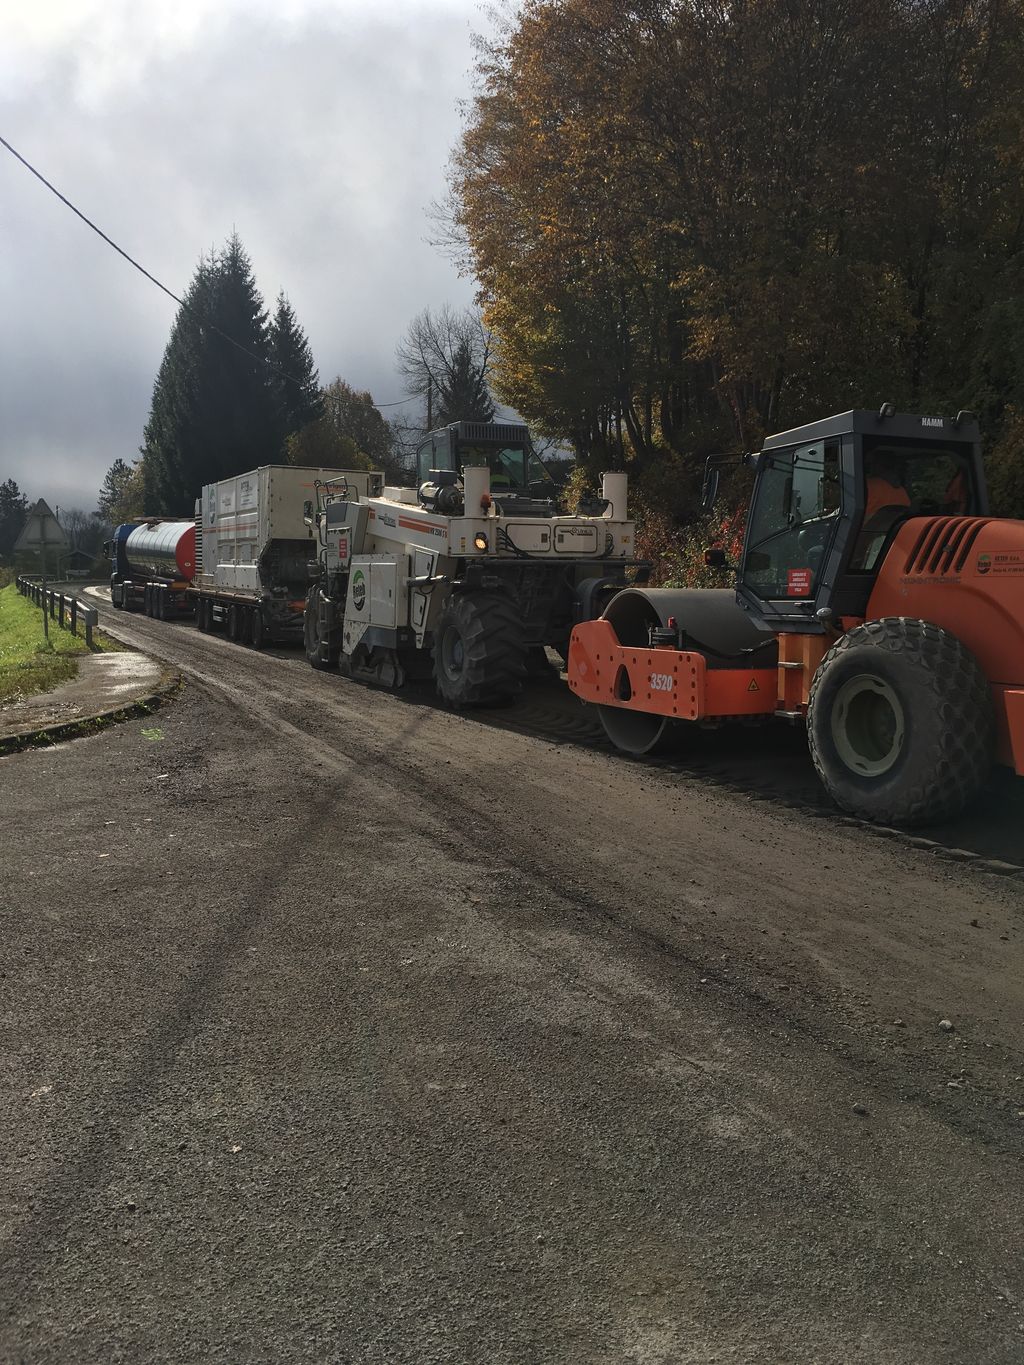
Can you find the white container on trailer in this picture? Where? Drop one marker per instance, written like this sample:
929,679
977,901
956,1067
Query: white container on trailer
254,538
254,547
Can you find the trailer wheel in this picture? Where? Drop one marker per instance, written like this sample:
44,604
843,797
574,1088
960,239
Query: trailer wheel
900,722
479,650
147,601
234,623
257,629
311,635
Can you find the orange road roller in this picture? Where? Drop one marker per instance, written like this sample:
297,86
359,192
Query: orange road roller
876,601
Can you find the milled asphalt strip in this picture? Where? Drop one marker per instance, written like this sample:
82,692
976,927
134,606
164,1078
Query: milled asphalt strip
700,771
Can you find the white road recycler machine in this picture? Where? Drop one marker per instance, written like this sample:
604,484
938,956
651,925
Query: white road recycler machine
466,578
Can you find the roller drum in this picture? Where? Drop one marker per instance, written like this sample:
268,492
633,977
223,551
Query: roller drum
714,623
711,617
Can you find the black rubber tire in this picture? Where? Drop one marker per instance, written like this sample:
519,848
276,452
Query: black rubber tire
257,628
202,622
947,747
235,616
311,635
479,650
147,601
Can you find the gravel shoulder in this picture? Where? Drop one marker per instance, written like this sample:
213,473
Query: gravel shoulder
334,1026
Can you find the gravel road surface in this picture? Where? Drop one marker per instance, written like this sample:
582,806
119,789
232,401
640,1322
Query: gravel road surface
334,1027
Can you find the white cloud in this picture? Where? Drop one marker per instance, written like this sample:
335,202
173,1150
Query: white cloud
319,131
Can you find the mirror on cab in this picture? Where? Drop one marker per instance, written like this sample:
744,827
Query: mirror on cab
709,492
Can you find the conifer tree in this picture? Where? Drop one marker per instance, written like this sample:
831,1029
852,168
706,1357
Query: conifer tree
294,378
214,411
13,512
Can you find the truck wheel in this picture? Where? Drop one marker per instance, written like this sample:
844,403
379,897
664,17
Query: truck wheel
234,623
900,722
147,601
311,635
257,629
479,650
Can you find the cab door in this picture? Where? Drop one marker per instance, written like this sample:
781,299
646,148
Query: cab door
793,528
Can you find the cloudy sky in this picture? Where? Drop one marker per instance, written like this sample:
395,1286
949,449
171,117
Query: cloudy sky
319,129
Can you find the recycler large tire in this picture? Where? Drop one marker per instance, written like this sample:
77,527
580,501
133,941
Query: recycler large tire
479,650
900,722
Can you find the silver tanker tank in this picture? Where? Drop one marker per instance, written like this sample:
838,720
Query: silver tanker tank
164,549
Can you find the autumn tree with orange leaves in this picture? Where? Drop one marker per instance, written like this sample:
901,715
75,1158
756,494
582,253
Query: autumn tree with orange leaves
696,221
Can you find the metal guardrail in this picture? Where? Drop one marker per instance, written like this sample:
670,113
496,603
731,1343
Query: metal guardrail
68,612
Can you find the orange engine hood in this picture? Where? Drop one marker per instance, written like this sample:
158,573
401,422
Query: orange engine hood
965,574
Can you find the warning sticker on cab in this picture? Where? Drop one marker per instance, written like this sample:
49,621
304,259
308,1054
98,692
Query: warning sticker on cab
798,582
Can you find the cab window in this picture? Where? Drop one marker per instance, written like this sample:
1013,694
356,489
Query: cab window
905,479
506,463
793,521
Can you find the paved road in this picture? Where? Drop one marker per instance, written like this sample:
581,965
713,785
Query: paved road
335,1027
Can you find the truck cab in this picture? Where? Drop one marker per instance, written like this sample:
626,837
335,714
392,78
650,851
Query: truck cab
517,475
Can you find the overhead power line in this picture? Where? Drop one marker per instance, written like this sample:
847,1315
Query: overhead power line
153,279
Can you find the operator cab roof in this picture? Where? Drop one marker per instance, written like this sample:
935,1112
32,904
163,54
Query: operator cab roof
862,422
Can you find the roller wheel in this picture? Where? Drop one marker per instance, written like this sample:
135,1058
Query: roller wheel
311,635
900,722
479,650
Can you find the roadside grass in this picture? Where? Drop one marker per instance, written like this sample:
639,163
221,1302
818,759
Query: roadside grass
27,663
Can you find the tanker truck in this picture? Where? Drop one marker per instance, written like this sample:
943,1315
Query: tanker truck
153,563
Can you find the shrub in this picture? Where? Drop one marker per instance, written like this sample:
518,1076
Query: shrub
676,552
